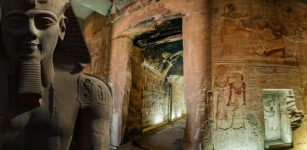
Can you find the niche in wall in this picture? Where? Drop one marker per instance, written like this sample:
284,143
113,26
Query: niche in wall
278,133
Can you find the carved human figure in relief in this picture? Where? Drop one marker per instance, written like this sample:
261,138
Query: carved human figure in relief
48,102
220,84
271,115
237,99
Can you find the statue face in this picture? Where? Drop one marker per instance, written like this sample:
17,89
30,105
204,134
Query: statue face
30,31
32,34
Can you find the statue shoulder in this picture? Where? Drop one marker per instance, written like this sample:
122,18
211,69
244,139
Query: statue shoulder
93,91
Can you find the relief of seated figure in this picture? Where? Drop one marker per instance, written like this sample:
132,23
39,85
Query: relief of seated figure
47,104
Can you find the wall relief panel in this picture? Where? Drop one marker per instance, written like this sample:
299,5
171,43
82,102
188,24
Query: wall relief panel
233,116
238,101
258,30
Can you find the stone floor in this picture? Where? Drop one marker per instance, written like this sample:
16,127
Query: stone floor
168,137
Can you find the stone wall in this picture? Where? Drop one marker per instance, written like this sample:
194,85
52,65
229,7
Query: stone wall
133,126
178,108
155,100
256,45
149,102
197,60
97,34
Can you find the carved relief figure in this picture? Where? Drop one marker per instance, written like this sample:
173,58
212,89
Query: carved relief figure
48,96
237,99
236,9
220,84
230,10
271,115
269,36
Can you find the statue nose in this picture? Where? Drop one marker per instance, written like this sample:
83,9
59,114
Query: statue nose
32,30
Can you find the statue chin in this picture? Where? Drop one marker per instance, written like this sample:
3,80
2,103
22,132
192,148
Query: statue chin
29,85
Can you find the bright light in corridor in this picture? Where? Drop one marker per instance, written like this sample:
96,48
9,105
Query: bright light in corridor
179,114
158,119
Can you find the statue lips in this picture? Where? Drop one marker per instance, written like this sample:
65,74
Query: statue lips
30,52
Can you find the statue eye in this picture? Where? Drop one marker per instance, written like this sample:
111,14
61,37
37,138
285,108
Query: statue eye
16,21
43,21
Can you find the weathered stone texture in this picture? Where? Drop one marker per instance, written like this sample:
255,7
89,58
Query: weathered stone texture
177,96
133,126
97,34
197,57
262,42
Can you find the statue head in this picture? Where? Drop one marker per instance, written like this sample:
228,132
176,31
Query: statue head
30,32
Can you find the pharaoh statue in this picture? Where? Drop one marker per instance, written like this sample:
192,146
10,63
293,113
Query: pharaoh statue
45,104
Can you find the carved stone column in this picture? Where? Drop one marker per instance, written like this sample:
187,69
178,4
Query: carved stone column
197,77
117,80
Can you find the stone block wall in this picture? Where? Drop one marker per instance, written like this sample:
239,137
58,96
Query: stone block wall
252,45
256,45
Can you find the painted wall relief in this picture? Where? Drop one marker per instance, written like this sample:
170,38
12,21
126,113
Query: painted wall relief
276,77
257,36
258,31
247,44
220,85
238,102
272,117
231,99
233,118
237,99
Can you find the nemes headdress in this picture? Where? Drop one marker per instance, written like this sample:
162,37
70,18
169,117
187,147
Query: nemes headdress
56,6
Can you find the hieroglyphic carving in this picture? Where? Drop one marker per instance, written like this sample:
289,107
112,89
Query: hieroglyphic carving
273,76
91,91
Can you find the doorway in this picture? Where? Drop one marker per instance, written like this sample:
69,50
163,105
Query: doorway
156,66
